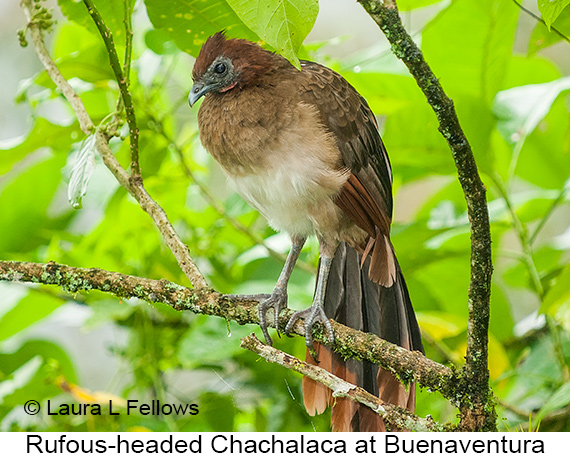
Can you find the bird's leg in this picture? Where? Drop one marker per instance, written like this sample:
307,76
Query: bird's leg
316,312
278,298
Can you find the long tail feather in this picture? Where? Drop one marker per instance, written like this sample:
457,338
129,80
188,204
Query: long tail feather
352,298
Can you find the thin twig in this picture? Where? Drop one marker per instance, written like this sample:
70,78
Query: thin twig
85,122
178,248
515,409
443,349
530,416
127,21
522,234
547,215
122,80
542,21
393,415
477,410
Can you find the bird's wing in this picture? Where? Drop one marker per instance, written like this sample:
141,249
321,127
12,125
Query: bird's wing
367,195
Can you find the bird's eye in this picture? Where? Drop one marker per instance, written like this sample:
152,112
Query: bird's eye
220,68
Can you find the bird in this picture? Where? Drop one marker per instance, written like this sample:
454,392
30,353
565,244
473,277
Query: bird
303,148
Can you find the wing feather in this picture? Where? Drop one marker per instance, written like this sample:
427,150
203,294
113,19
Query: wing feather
347,115
366,197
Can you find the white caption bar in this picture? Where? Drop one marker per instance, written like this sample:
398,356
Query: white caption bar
284,444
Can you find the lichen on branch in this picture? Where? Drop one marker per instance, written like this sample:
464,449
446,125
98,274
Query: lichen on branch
393,415
350,343
477,408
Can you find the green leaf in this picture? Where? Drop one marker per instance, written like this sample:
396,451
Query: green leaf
542,36
469,46
499,360
388,93
223,341
24,209
454,273
190,22
106,310
31,372
530,70
558,399
551,9
440,325
422,150
32,308
159,42
408,5
112,13
501,322
283,24
219,411
79,53
520,109
42,134
559,294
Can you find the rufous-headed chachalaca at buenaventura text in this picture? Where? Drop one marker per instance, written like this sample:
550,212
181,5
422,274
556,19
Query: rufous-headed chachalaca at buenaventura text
303,148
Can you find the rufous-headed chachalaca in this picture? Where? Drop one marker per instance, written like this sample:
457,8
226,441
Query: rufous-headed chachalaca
303,148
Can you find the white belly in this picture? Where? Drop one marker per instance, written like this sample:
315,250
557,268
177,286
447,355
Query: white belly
291,176
292,194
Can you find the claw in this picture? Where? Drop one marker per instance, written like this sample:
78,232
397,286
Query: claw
311,315
278,301
278,298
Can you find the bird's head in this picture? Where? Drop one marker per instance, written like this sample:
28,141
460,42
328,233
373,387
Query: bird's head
226,64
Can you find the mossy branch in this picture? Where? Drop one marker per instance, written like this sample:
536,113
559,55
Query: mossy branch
407,366
477,410
122,79
393,415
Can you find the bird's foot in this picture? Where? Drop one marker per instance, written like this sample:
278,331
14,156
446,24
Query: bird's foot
312,315
278,301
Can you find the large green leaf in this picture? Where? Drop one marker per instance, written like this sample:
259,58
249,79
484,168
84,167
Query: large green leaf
190,22
530,70
223,342
79,53
31,371
42,134
407,5
520,109
469,45
542,36
559,294
421,150
551,9
283,24
111,11
558,399
536,375
388,93
24,203
32,308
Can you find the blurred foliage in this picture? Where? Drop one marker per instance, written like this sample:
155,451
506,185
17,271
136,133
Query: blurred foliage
514,108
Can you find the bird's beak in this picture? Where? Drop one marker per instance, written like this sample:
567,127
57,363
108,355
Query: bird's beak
198,90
